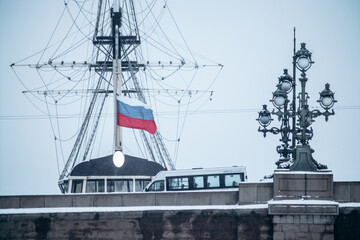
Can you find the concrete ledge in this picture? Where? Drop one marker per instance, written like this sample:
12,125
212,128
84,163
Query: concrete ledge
294,185
305,207
255,192
347,191
304,219
118,200
248,193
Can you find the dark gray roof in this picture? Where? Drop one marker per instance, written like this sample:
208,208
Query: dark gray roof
104,166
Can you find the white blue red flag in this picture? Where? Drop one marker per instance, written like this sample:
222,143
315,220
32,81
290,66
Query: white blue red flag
132,113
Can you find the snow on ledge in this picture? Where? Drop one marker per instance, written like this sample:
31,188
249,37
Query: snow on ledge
304,172
128,209
172,208
350,204
303,202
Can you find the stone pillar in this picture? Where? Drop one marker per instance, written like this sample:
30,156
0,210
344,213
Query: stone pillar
303,206
303,185
307,220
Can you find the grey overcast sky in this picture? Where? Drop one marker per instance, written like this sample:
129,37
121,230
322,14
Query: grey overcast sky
253,39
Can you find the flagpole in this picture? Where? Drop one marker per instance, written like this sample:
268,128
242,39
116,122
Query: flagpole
116,19
118,157
117,90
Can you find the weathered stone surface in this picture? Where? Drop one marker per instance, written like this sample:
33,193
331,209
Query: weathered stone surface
291,228
9,202
289,185
347,225
279,236
292,185
302,221
249,193
290,235
255,192
304,227
315,236
159,224
176,224
32,201
317,228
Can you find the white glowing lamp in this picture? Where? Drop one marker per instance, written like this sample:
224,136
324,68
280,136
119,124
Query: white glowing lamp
118,159
303,63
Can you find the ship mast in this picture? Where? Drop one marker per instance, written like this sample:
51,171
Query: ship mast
115,61
119,64
118,157
116,24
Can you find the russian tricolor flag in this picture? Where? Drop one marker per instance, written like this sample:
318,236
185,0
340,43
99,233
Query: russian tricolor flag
132,113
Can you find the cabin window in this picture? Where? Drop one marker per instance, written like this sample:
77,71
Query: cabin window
157,186
140,185
232,180
77,186
93,186
119,185
178,183
198,182
242,177
213,181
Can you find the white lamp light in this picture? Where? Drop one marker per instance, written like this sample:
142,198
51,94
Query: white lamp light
286,86
118,159
279,101
303,62
264,120
327,101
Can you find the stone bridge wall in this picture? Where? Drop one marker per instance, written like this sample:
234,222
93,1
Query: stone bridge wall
180,215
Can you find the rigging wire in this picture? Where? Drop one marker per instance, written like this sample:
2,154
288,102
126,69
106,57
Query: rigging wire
102,132
17,76
46,47
138,144
74,23
45,85
58,128
151,41
199,112
179,136
53,131
57,160
177,132
157,23
188,86
180,33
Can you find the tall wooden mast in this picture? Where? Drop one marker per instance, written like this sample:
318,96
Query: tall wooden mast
116,24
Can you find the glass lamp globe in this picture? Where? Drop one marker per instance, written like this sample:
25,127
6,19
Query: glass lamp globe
264,120
118,159
285,86
279,101
303,62
327,101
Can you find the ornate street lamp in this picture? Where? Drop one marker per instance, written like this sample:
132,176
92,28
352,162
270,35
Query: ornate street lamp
298,156
264,118
303,58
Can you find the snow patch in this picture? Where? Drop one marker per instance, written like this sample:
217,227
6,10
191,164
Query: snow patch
350,204
128,209
303,202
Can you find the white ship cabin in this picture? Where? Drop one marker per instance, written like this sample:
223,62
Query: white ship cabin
198,179
102,176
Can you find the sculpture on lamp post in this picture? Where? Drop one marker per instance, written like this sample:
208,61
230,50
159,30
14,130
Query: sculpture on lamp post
295,152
